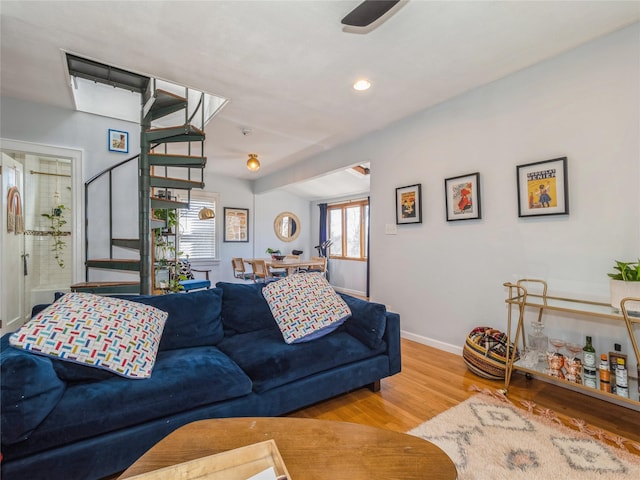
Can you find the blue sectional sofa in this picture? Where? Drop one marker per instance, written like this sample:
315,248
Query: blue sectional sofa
221,355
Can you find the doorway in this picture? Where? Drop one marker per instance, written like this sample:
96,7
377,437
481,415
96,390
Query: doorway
45,257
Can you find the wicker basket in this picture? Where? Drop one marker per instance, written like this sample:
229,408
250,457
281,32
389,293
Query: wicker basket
485,351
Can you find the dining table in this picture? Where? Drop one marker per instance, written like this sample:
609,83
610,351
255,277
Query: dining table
291,265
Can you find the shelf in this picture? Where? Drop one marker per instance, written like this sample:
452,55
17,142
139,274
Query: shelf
540,371
572,305
519,297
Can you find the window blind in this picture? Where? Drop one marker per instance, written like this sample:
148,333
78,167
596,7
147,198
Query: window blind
197,238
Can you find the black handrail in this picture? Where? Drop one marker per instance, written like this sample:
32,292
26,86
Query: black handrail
86,208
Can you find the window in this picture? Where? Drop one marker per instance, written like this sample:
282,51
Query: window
348,229
198,239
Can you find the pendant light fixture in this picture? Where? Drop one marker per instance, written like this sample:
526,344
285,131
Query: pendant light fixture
206,213
253,163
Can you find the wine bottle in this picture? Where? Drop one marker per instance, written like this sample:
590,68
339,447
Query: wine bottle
589,364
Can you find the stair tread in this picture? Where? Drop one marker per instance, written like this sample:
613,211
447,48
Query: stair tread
174,155
173,179
189,127
165,96
128,260
102,284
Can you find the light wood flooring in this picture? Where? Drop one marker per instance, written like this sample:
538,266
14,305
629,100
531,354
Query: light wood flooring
433,381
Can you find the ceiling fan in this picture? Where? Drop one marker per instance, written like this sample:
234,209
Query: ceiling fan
368,12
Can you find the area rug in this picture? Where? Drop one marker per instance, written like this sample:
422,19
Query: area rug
487,437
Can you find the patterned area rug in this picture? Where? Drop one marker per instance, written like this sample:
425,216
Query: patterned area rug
489,438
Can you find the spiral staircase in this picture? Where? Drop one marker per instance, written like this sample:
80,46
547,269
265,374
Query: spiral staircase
155,163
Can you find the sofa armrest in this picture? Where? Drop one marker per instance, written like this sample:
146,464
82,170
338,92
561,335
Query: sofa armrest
392,339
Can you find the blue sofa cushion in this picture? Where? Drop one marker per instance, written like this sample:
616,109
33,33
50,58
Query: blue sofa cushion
368,320
270,362
182,379
194,318
244,309
30,391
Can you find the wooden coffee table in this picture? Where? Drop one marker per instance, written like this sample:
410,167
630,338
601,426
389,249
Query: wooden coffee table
311,449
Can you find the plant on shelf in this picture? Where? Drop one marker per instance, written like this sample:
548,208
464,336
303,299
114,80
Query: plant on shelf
57,221
625,282
174,281
164,248
272,251
626,271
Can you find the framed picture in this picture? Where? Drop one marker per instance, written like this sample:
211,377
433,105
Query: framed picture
118,141
409,204
462,197
543,188
236,224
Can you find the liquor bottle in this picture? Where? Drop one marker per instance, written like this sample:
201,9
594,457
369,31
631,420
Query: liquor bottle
605,374
589,364
613,363
538,341
622,379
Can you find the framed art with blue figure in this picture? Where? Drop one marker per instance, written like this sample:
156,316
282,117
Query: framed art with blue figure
409,204
543,188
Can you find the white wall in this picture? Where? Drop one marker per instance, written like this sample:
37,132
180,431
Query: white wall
446,278
267,207
263,210
583,105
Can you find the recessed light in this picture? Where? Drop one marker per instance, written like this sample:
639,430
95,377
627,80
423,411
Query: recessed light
362,85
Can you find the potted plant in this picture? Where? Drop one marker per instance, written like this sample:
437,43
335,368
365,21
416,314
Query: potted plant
275,254
625,282
57,220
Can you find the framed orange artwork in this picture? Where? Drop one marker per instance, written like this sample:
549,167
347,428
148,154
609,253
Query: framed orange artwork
409,204
462,197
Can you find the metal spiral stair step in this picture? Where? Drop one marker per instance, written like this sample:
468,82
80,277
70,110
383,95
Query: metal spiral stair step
115,264
163,103
132,243
170,160
157,202
179,183
180,133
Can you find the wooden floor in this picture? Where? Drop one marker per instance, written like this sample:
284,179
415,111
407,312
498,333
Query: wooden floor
432,381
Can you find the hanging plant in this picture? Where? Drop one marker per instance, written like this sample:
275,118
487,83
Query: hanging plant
57,221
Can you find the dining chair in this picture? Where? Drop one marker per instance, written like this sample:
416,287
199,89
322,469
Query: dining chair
322,269
261,272
239,270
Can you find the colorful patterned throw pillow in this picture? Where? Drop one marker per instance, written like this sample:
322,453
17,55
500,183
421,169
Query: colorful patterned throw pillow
102,332
305,306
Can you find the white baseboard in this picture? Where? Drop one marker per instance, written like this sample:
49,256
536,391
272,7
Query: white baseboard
447,347
353,293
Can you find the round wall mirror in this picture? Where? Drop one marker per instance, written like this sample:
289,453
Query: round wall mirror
287,226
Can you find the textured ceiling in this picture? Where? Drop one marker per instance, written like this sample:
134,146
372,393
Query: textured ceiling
287,66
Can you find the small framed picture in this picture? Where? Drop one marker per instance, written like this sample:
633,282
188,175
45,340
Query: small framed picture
462,197
236,224
409,204
118,141
543,188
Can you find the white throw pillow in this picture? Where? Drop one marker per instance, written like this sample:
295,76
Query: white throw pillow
305,306
102,332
